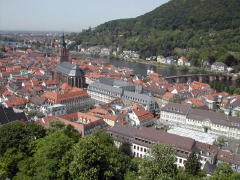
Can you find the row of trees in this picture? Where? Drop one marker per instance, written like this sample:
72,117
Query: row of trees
30,152
220,87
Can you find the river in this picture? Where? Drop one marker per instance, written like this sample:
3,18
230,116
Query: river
140,68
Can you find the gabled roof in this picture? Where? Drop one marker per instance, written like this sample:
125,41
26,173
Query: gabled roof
7,115
18,101
142,114
177,108
155,136
69,69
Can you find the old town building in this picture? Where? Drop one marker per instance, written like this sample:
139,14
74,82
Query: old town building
141,140
75,99
181,115
105,90
67,72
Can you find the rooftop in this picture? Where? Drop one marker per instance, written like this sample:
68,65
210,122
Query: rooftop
69,69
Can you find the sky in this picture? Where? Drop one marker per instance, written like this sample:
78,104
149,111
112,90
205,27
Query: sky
68,15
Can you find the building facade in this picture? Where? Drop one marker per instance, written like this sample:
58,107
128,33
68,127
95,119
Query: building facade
105,90
181,115
141,140
54,110
75,99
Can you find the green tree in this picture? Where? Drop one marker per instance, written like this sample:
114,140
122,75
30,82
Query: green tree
220,142
125,148
184,69
224,169
68,130
56,125
94,157
32,113
19,135
193,165
47,155
223,172
131,176
182,175
161,163
72,133
237,91
8,163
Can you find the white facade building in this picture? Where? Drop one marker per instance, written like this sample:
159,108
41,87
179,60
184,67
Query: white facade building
141,140
54,110
181,115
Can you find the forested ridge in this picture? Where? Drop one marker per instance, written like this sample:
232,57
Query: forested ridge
195,28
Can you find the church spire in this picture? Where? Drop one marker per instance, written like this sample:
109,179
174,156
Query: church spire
63,41
64,55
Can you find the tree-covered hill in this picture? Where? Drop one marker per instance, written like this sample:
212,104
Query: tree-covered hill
196,28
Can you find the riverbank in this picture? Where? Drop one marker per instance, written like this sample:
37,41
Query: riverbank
171,67
184,69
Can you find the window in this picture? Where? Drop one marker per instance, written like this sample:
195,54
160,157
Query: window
180,160
137,147
134,147
141,149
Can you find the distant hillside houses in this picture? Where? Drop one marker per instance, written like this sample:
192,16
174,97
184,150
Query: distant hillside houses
184,61
129,55
219,67
96,51
166,60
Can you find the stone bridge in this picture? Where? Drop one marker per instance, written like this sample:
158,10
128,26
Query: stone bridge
200,78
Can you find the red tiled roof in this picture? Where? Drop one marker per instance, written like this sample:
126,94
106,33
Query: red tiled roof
57,97
198,85
98,111
76,116
183,58
168,96
196,102
16,102
143,114
111,117
51,82
47,120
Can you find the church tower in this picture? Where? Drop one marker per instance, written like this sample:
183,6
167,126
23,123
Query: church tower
66,72
64,54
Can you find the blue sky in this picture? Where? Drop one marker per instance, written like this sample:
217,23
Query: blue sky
68,15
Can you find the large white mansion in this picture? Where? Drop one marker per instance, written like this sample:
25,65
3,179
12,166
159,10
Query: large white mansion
182,115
